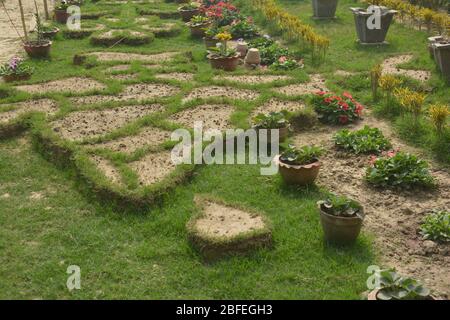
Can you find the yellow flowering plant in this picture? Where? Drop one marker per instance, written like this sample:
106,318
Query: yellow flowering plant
439,114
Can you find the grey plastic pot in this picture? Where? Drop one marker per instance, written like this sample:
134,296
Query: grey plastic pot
324,9
375,35
442,57
431,41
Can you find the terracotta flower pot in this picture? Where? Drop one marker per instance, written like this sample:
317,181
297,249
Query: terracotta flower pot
227,64
340,230
374,293
186,15
14,77
198,31
50,34
61,16
298,174
38,50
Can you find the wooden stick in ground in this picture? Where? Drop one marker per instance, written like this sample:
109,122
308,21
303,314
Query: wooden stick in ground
22,16
47,16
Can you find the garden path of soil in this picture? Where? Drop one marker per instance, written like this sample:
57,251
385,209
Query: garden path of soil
392,216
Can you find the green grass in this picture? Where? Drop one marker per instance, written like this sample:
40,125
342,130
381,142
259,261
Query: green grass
147,255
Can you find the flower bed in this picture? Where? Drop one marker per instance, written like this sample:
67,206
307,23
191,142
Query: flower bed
337,109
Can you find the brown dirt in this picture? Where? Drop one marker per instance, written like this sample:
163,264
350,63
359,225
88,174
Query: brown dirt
390,67
227,222
153,168
94,123
178,76
119,67
139,92
392,216
124,77
129,57
149,136
47,106
253,79
212,116
107,168
221,92
316,83
72,85
275,105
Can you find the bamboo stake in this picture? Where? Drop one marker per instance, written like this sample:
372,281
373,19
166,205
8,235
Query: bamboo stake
22,16
47,16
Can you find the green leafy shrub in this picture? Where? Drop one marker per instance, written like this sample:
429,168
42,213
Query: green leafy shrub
303,156
340,206
273,120
399,169
16,67
269,50
392,286
436,226
366,140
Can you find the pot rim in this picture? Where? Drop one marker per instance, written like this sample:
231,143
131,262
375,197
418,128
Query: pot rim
209,56
187,10
297,167
28,44
343,218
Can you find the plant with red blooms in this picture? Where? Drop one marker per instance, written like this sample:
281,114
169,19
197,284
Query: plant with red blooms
337,109
222,12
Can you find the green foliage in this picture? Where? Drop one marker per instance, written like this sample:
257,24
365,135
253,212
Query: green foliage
340,206
269,50
392,286
244,29
436,226
337,109
366,140
304,118
197,21
399,170
304,155
272,120
285,64
17,67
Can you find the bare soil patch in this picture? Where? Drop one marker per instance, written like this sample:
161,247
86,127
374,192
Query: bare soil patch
344,73
129,57
47,106
139,92
125,76
153,168
254,79
212,116
390,67
119,67
94,123
221,92
107,168
392,216
72,85
316,83
275,105
148,136
178,76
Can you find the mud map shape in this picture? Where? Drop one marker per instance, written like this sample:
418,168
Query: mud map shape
69,85
213,116
153,168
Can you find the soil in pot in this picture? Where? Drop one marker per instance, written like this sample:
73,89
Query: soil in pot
340,230
298,174
36,49
324,9
227,64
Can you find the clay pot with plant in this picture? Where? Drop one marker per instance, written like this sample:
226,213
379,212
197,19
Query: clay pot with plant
272,121
222,57
210,34
39,47
299,166
392,286
16,70
341,219
48,31
188,11
61,14
198,26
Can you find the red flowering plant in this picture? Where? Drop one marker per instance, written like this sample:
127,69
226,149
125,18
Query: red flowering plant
337,109
222,12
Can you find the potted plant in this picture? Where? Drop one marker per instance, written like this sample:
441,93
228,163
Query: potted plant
341,219
39,48
16,70
442,56
198,25
324,9
61,14
273,120
48,31
189,10
299,166
372,34
210,34
392,286
222,57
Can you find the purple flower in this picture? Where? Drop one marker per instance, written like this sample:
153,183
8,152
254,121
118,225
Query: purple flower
14,63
